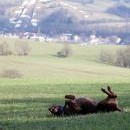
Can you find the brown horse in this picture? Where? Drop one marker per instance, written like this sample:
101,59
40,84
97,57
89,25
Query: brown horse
85,105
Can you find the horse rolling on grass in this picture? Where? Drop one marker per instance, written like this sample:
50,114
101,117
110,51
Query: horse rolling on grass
83,105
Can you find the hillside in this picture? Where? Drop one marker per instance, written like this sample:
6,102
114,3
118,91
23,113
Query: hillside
43,63
66,16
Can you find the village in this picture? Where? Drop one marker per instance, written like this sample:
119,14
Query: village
68,38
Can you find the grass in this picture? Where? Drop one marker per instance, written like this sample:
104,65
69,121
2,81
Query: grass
24,102
26,107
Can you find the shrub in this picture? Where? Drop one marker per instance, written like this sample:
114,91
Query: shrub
11,73
65,52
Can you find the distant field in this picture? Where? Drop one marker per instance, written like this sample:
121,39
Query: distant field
45,80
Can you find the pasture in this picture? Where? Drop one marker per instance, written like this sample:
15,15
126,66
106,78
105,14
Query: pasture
46,78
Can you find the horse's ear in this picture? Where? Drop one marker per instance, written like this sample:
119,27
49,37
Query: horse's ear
102,89
112,93
108,88
105,91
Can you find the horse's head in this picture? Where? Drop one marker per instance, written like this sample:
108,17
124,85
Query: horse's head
56,110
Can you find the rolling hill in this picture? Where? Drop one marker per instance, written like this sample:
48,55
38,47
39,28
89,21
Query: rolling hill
43,63
66,16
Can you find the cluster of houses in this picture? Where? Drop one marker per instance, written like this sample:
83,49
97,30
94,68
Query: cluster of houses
69,38
93,40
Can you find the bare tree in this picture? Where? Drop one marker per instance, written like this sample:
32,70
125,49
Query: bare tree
4,49
66,51
22,48
123,57
106,57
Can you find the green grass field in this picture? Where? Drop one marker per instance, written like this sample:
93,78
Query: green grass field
46,78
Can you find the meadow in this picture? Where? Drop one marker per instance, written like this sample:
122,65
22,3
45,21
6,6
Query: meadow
46,78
